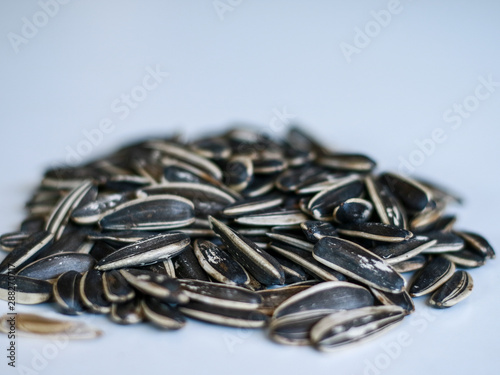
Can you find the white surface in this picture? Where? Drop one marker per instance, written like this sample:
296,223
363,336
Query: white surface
259,59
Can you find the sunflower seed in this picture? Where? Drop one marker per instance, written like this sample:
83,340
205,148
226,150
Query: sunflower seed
9,241
355,261
66,291
347,162
465,258
289,217
92,293
162,314
157,212
375,232
387,206
218,264
224,316
305,260
409,265
354,210
330,295
27,291
55,329
253,205
294,329
53,266
398,252
446,242
316,230
147,251
346,327
116,288
220,295
434,274
27,250
260,264
207,200
186,266
322,204
156,285
239,173
212,148
301,244
413,194
92,212
272,298
129,312
457,288
402,299
477,243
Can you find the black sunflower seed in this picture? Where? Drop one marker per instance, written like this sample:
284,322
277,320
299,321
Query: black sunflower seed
413,194
27,250
347,162
116,288
477,243
219,264
355,261
66,292
92,293
316,230
432,276
331,295
272,298
260,264
375,231
402,299
27,291
387,206
220,295
273,218
398,252
253,205
224,316
157,212
161,314
147,251
186,266
55,265
129,312
409,265
155,285
457,288
346,327
354,210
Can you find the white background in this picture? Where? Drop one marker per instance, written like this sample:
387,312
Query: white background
243,66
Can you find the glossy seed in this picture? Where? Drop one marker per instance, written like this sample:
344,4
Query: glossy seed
66,292
456,289
252,205
219,264
221,295
27,250
402,299
305,259
446,242
92,293
413,194
224,316
26,290
273,218
346,327
477,243
354,210
355,261
186,266
409,265
239,173
316,230
434,274
387,206
129,312
375,231
162,315
158,212
147,251
398,252
465,258
156,285
331,295
116,288
53,266
260,264
272,298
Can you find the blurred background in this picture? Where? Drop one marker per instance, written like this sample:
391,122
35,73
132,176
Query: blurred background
413,84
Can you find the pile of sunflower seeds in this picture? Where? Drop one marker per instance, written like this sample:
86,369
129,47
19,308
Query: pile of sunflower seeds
241,230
